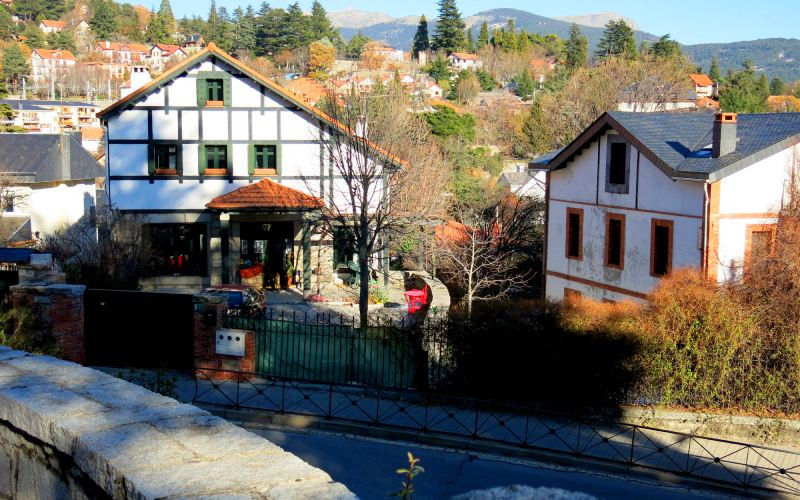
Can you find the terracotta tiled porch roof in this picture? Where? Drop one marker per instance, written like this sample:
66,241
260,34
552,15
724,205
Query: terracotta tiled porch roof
265,195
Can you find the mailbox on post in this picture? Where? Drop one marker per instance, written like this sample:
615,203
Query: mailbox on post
230,342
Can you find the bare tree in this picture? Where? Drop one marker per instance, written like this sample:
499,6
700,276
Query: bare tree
485,250
388,174
105,251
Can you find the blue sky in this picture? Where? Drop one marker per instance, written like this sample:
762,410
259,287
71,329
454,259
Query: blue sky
720,21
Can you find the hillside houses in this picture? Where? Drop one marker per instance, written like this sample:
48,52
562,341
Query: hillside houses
49,64
48,26
464,60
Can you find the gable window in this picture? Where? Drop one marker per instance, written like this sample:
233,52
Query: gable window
574,235
661,235
214,88
264,159
164,159
216,159
759,243
617,165
615,240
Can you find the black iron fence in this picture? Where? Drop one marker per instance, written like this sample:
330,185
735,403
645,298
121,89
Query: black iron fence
740,465
325,348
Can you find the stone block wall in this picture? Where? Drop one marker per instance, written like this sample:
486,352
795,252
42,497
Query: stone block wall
67,431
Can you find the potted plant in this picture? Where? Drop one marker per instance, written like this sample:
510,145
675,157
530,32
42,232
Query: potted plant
289,271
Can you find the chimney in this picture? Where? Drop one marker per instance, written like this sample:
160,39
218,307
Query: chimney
724,134
139,78
66,154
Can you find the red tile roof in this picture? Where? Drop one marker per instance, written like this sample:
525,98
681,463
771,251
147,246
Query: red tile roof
114,46
53,24
55,54
91,133
265,194
167,49
705,102
701,80
465,56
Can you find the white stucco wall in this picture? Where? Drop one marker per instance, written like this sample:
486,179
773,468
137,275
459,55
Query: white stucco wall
53,208
651,195
752,196
246,120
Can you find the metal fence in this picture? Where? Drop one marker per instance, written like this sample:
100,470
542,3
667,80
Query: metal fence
332,349
740,465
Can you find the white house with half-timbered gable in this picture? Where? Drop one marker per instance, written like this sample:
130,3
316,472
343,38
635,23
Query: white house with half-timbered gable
638,195
229,169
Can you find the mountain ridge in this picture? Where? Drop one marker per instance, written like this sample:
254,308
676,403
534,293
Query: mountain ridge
778,57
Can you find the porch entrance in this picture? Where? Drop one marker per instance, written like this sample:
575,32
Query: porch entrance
267,254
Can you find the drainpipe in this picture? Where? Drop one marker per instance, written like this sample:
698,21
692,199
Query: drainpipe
706,221
108,162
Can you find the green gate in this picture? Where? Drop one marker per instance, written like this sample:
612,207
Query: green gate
382,356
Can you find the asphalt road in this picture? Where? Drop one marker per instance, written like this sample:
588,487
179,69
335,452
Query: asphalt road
367,466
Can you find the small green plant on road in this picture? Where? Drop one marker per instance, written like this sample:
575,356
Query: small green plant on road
407,491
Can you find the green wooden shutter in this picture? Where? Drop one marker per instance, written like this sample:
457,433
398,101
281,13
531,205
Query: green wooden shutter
229,158
226,91
251,158
202,92
201,159
151,160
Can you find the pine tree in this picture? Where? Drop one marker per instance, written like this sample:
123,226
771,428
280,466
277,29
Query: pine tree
524,41
577,49
617,40
15,64
497,38
470,40
295,29
483,36
421,41
104,21
244,37
449,34
319,25
777,87
713,71
167,18
61,40
665,48
510,42
156,31
743,92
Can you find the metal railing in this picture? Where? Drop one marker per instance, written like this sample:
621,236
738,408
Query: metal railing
732,464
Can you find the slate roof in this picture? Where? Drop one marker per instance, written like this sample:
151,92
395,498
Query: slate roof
265,195
37,158
680,143
514,178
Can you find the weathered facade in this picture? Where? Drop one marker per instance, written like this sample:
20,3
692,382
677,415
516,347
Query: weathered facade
637,196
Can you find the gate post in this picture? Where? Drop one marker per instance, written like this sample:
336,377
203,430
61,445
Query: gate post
208,311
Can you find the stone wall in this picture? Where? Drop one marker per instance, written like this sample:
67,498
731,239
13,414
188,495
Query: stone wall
69,431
